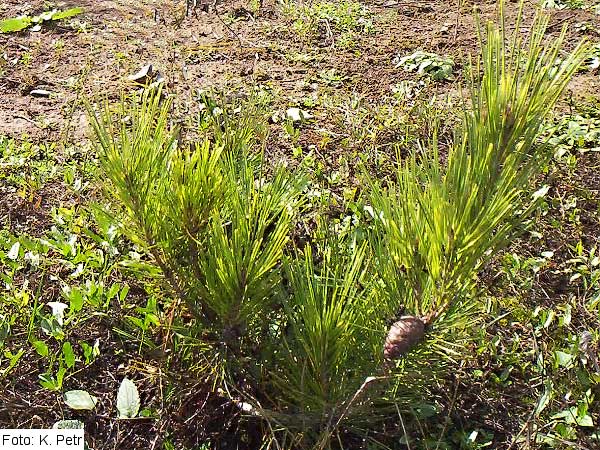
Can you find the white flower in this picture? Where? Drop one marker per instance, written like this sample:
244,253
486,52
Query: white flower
58,310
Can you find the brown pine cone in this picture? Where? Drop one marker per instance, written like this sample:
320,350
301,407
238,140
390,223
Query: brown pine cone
403,336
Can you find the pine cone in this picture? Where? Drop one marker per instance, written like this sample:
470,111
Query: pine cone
403,336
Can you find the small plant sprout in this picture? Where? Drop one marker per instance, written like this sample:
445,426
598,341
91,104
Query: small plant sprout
128,399
20,23
437,67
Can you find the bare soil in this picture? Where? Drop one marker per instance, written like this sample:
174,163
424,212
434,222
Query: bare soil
114,39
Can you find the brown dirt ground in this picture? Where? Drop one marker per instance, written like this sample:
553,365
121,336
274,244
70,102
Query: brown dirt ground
113,39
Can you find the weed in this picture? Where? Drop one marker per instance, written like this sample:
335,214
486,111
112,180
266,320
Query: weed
322,19
435,66
564,4
331,77
579,133
22,22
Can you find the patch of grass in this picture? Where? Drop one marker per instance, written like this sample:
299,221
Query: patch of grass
330,22
578,133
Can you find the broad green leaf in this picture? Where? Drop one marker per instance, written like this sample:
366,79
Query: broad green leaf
544,398
75,297
563,359
572,417
128,399
71,12
80,400
114,290
40,347
69,355
47,381
15,24
123,293
51,327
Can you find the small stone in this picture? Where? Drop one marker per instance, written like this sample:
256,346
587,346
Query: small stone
41,93
297,115
143,75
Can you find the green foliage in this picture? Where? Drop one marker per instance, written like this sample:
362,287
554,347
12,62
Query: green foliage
215,226
344,15
20,23
442,222
435,66
346,19
552,355
577,132
332,316
84,257
299,334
